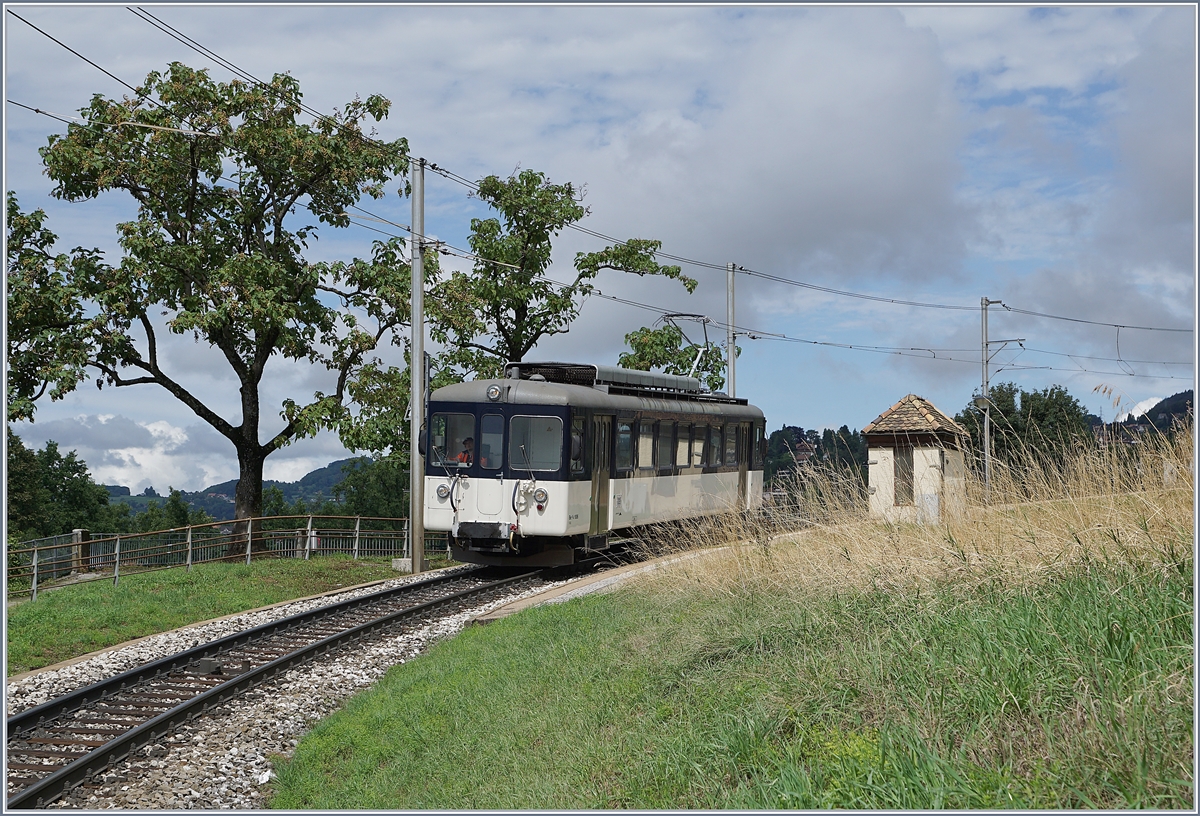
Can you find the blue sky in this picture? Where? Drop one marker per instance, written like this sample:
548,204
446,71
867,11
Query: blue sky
1042,157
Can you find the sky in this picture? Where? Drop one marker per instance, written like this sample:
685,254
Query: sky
1040,157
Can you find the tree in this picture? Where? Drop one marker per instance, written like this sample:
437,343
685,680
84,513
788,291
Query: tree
668,349
844,449
1043,423
50,494
502,310
213,256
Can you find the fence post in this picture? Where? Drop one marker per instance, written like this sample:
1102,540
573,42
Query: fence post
407,542
78,537
189,549
117,561
33,597
308,542
249,537
357,523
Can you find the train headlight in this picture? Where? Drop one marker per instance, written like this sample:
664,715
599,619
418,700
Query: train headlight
493,392
540,495
443,491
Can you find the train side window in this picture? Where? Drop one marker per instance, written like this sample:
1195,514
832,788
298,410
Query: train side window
757,450
681,446
645,452
699,445
491,441
624,445
666,436
714,446
731,445
577,445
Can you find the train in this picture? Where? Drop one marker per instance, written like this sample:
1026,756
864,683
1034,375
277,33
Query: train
556,461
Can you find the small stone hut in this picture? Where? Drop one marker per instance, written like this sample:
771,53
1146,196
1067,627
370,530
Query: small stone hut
915,461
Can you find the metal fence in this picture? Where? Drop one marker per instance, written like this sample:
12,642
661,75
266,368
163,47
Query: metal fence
85,557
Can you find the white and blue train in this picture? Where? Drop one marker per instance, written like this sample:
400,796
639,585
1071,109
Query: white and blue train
560,459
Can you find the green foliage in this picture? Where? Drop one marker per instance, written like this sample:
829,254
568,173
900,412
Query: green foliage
377,487
501,311
669,350
844,449
786,449
213,256
175,512
50,494
1072,693
1046,423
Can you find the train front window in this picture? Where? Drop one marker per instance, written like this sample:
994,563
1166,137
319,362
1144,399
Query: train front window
452,439
491,441
535,443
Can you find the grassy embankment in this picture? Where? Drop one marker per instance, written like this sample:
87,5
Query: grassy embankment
1033,653
76,619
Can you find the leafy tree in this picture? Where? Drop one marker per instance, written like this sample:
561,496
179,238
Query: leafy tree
783,447
668,349
375,487
1044,423
502,310
220,172
50,494
844,448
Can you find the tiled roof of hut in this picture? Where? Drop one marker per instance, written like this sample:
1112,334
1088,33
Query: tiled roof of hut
913,414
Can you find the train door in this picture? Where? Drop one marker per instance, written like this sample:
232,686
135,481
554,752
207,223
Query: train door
601,463
743,449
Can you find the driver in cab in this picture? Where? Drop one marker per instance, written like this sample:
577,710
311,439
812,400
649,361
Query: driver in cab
467,455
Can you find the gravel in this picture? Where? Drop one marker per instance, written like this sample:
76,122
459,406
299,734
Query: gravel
223,761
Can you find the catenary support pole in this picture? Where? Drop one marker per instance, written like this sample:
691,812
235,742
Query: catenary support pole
730,334
416,474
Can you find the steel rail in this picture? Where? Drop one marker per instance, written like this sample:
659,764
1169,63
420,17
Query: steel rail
30,718
49,788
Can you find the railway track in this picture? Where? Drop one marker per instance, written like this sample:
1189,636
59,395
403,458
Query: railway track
60,744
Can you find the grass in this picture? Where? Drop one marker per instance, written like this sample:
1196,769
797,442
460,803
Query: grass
1034,652
76,619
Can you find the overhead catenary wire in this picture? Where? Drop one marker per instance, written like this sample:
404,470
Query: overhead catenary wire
766,335
231,66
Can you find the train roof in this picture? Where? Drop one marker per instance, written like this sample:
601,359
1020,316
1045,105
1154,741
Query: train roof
600,387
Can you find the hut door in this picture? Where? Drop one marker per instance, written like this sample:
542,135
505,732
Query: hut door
601,448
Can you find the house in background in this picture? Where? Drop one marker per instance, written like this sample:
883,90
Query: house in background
915,462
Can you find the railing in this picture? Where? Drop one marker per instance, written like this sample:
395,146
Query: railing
109,556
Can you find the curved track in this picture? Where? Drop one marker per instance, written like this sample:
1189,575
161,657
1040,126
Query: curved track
59,744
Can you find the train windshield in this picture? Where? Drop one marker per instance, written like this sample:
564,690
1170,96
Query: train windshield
541,437
452,439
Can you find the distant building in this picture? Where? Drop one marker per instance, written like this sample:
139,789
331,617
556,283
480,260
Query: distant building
915,462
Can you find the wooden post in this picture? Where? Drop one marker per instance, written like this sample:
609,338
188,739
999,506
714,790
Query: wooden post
117,561
33,597
308,539
357,524
189,549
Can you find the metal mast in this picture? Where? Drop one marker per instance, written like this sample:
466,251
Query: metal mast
416,367
730,334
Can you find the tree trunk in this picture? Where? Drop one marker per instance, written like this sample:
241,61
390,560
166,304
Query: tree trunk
247,499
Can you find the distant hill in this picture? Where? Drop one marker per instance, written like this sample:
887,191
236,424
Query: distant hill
217,500
1178,406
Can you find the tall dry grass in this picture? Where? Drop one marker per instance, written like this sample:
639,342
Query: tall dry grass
1090,504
